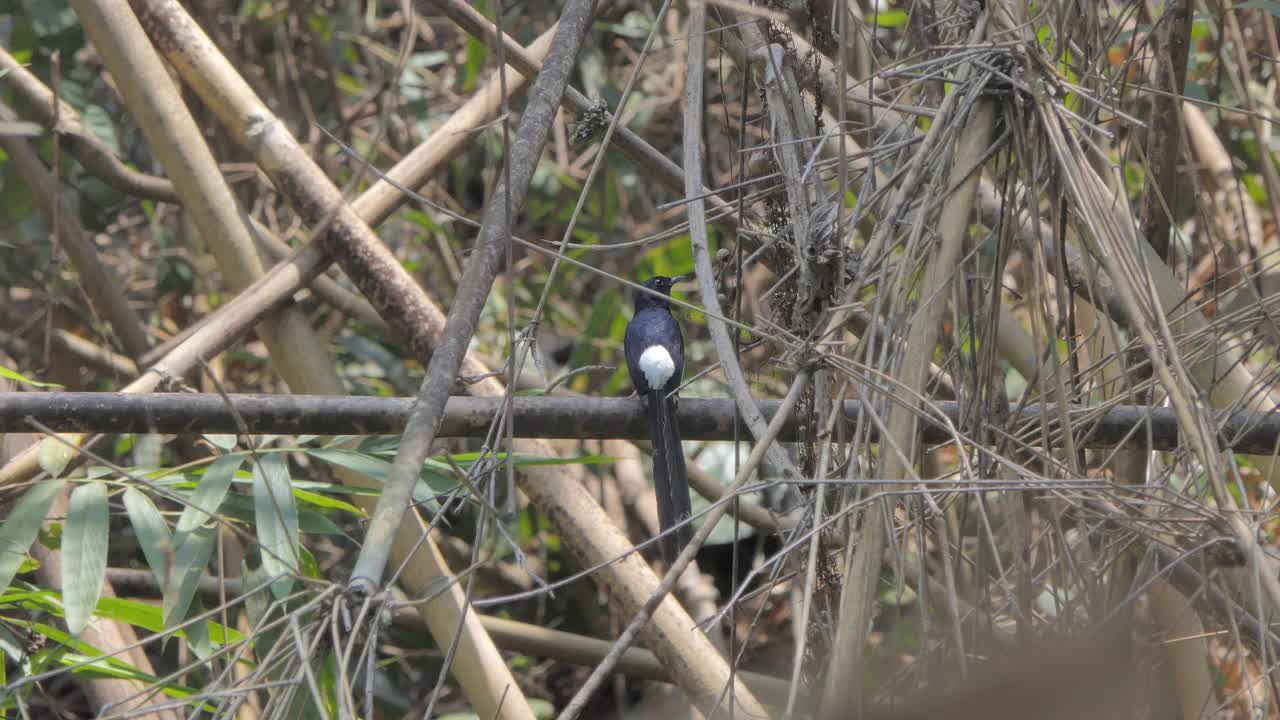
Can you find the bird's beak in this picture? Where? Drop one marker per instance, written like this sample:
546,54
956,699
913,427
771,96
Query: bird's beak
682,278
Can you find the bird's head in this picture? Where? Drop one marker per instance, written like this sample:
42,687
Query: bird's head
661,284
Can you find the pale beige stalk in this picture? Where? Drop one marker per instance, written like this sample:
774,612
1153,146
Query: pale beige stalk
862,568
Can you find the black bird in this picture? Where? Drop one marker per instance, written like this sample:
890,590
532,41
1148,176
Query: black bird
655,359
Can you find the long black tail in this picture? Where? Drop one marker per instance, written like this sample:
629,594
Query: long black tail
670,478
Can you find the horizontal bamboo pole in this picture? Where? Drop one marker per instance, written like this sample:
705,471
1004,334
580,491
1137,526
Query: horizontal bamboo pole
564,417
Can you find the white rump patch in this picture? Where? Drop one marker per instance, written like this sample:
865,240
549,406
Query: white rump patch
657,366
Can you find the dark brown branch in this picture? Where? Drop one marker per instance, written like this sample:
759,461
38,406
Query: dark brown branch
550,417
1164,149
473,290
92,153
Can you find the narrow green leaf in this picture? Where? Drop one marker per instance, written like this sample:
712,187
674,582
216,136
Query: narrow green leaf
276,515
467,459
330,685
372,467
535,461
89,662
145,615
326,502
376,444
11,646
375,468
22,525
208,496
149,617
152,531
84,554
188,566
314,523
890,18
198,638
244,509
19,377
256,604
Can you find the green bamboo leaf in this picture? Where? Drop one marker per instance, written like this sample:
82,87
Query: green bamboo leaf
140,614
536,461
892,18
198,638
367,465
375,444
87,661
467,459
424,492
12,647
192,557
256,604
208,495
149,617
326,502
84,554
145,615
18,377
244,509
22,525
152,531
55,454
276,515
